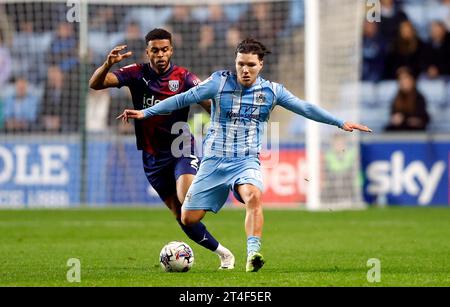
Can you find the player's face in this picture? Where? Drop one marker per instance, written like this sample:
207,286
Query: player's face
159,53
248,66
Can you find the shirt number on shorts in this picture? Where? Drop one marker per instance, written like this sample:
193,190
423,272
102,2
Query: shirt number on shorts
194,162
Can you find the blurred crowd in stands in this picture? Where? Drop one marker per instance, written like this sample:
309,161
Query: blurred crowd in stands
404,76
40,73
406,66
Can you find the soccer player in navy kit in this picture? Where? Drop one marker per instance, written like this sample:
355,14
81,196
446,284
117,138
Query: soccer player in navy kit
150,83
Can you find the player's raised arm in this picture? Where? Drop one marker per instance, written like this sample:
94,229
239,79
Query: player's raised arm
102,78
287,100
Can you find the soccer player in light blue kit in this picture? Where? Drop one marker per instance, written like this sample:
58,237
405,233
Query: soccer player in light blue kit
241,105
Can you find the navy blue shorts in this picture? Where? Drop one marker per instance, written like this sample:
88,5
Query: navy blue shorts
163,171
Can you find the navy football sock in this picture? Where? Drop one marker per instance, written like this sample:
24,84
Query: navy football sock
200,235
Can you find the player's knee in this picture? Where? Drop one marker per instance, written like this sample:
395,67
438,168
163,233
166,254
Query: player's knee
188,219
253,199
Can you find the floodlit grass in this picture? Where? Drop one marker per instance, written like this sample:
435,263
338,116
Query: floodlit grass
120,247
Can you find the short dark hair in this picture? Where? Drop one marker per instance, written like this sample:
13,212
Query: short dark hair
158,33
250,45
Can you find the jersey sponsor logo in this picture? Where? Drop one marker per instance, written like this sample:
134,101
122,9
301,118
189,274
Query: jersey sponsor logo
246,115
149,101
174,85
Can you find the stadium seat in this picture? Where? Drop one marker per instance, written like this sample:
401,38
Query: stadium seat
437,11
375,118
7,90
36,89
25,43
371,112
28,56
440,112
115,39
364,90
439,118
367,94
148,18
439,122
98,42
434,91
234,11
447,96
417,14
385,93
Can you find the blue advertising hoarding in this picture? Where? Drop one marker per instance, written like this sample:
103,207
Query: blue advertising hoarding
47,172
406,172
116,175
39,173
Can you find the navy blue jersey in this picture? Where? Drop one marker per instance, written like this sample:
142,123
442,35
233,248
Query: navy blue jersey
148,88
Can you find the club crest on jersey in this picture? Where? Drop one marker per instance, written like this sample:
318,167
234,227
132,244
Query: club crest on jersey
260,98
174,85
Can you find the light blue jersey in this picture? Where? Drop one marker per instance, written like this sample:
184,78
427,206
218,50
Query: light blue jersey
238,113
233,141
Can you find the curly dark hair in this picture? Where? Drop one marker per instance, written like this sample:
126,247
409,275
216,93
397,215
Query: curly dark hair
250,45
158,33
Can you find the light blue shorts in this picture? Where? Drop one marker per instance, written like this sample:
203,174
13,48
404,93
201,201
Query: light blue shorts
216,177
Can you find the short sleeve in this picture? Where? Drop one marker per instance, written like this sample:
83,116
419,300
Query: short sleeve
126,74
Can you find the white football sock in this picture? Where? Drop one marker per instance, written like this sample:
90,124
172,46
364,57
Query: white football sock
221,251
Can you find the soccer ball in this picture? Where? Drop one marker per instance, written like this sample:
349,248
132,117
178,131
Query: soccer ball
176,256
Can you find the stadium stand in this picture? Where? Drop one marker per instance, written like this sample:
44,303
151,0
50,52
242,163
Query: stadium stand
31,36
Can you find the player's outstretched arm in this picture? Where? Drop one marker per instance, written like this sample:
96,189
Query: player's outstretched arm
102,78
349,126
168,105
289,101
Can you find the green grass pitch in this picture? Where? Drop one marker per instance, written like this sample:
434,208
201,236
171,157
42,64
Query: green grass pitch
120,247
